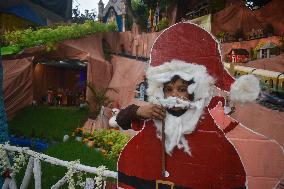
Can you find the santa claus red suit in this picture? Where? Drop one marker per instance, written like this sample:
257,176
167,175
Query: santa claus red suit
214,163
197,153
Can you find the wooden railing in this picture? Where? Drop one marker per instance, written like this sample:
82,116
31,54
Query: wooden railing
34,168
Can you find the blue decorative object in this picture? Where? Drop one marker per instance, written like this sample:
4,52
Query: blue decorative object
37,145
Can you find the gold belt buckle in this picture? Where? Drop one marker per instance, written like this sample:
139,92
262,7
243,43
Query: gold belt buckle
165,182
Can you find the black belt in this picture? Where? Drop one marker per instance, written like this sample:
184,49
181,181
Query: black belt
140,183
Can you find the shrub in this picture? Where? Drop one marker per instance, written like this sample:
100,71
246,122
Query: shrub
163,24
49,36
275,50
109,142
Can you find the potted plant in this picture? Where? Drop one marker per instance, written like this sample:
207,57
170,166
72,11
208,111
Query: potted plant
98,99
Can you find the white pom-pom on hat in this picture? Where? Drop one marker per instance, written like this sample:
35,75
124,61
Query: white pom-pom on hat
245,89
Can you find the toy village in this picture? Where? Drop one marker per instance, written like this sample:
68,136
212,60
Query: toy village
138,94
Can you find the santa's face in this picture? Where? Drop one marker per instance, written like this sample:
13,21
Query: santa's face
177,88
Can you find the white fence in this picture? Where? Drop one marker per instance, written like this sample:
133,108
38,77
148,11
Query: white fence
34,168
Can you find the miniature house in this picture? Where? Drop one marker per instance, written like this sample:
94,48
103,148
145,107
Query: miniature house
238,55
268,50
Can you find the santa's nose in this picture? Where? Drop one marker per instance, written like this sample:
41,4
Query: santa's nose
175,94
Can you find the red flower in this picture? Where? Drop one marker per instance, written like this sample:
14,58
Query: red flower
6,174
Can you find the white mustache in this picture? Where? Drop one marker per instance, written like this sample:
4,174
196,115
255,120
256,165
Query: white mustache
176,102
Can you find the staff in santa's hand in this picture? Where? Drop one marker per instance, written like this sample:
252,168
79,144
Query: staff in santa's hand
163,150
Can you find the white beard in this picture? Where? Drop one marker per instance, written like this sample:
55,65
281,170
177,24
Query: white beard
176,127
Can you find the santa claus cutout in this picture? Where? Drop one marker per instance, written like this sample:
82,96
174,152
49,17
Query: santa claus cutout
186,149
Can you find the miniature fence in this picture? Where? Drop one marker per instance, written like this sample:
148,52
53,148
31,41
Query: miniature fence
34,167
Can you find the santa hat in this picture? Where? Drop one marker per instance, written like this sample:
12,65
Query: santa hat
192,53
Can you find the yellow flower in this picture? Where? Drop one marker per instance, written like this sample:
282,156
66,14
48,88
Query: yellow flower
103,151
110,143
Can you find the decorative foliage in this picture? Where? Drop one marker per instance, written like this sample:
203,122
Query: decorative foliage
222,36
109,142
78,132
79,17
252,54
71,176
74,176
21,39
18,159
275,50
4,161
98,99
99,177
70,173
80,181
163,24
112,26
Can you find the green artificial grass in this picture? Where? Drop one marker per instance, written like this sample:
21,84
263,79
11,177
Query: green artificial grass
50,123
53,123
73,150
69,151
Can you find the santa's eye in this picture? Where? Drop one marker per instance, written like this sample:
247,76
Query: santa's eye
182,90
167,89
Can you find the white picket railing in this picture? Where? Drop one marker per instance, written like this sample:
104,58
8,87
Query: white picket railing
34,167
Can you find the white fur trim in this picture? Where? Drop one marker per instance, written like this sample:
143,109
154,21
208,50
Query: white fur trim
245,89
202,87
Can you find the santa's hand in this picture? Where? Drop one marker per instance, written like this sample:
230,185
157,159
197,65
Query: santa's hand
151,111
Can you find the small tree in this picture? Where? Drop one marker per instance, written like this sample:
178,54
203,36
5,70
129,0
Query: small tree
221,36
98,99
80,18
